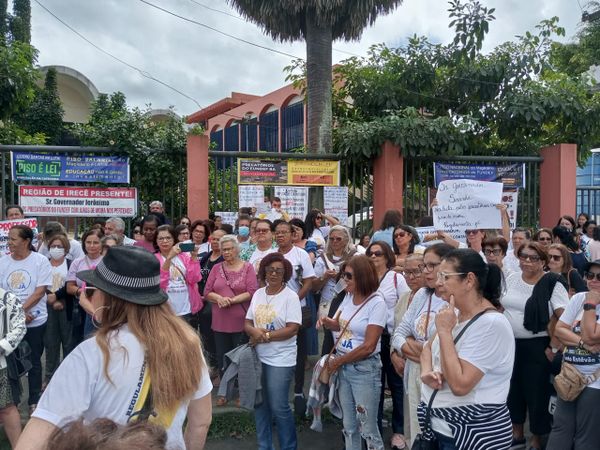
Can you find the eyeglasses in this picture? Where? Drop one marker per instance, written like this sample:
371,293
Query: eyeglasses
347,275
430,267
591,275
528,257
494,251
376,253
555,257
136,231
545,239
336,239
412,273
399,234
198,232
443,276
56,246
275,270
319,217
281,233
262,230
165,238
89,291
471,231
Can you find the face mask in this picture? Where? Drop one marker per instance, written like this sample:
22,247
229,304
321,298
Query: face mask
244,231
56,253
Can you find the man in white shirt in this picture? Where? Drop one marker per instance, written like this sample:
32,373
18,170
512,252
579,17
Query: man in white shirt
116,226
301,281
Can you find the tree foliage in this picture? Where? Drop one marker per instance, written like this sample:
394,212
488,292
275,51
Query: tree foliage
156,150
20,21
433,98
45,115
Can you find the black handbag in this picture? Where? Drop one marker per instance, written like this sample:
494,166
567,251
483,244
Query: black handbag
421,442
18,362
307,321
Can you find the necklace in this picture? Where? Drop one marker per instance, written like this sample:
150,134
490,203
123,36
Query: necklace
270,297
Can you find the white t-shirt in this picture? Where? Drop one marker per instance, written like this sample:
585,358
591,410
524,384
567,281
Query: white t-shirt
23,277
258,255
273,313
587,363
514,300
79,388
319,235
301,269
328,289
177,289
391,290
511,263
59,276
373,313
489,345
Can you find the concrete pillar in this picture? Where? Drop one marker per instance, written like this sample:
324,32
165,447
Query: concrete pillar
558,183
388,182
197,177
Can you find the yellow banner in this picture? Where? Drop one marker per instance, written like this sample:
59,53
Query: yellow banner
313,173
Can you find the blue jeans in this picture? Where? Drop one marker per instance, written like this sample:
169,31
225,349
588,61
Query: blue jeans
359,389
276,406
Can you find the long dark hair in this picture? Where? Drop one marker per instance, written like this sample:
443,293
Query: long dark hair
490,280
391,218
566,238
414,240
309,221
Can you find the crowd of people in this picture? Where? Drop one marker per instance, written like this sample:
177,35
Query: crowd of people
465,335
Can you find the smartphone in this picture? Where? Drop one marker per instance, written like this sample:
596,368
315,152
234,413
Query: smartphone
189,247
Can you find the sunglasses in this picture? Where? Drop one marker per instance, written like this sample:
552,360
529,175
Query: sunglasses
377,253
275,270
528,257
347,275
591,275
400,234
545,239
137,231
89,291
555,257
336,239
471,231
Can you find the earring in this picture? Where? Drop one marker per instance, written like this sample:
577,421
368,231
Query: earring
95,321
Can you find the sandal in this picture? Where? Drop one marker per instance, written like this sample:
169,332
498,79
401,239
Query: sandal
221,401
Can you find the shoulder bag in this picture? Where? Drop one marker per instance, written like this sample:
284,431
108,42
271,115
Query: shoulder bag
325,375
17,363
570,382
421,442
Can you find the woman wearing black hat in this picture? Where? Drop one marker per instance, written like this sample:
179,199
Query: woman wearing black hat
143,364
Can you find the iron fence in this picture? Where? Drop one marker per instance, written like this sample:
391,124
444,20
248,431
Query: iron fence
171,192
588,201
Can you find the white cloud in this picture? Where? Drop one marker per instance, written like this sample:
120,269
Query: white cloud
207,65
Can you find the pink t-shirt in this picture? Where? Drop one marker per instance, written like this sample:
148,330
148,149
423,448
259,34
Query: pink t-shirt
145,244
83,263
229,284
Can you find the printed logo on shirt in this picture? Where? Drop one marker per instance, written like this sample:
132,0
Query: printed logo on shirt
580,356
346,338
57,281
19,280
265,316
422,323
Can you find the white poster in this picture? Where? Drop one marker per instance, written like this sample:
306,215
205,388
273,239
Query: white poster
294,200
335,202
510,199
250,195
424,231
467,204
78,201
227,217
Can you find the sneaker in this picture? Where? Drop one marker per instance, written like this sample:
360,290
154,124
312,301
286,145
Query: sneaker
299,405
517,443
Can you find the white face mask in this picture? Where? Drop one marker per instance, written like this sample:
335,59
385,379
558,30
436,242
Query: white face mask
56,253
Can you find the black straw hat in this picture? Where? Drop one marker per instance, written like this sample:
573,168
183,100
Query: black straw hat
129,273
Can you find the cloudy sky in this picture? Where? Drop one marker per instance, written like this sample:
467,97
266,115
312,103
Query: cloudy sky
206,65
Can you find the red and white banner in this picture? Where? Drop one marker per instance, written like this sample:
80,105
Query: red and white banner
6,225
74,201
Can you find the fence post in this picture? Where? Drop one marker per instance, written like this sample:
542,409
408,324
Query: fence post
558,183
197,177
388,181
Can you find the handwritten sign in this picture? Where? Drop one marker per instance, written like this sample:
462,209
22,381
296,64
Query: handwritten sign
294,200
335,201
250,196
467,204
227,217
5,227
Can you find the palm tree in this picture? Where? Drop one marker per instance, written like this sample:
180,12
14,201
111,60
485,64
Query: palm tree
319,23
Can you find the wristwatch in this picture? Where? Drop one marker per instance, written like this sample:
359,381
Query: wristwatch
589,306
268,335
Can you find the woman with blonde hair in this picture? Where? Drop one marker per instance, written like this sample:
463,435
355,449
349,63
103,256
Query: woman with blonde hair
144,363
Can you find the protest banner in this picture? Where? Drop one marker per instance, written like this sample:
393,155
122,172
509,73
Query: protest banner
510,199
262,171
294,200
467,204
251,195
511,175
227,217
335,201
314,173
77,168
69,201
6,225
